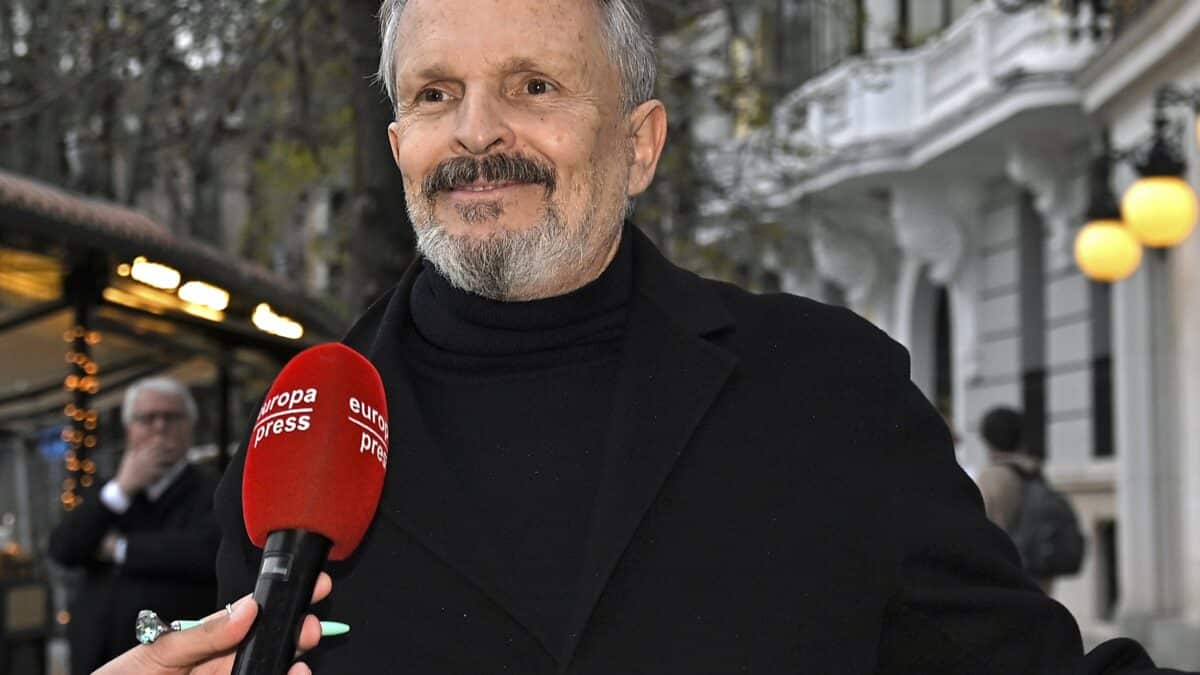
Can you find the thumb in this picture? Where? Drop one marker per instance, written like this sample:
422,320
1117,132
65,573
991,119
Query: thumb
219,633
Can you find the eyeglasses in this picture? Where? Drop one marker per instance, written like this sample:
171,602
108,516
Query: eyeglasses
168,417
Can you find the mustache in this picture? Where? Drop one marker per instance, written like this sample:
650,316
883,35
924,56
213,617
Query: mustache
459,171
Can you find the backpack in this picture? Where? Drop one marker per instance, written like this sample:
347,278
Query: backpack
1047,531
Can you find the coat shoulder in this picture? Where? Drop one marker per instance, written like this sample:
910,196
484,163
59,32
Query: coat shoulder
823,334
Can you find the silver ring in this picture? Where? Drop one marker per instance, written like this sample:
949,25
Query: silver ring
229,609
149,627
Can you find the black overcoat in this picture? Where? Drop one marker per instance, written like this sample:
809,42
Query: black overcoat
777,497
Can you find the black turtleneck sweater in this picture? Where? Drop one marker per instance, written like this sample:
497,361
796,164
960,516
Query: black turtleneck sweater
518,398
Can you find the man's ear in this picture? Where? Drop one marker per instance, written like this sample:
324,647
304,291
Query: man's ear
648,124
393,131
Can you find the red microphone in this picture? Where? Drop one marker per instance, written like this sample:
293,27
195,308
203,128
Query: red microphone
314,470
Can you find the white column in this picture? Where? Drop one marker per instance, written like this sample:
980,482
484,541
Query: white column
1148,466
1186,283
913,322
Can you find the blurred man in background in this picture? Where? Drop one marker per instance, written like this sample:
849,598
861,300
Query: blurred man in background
999,483
1016,496
145,538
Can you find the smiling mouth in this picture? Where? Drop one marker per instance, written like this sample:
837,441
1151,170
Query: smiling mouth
483,187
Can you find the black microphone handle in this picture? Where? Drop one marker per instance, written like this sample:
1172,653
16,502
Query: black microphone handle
291,561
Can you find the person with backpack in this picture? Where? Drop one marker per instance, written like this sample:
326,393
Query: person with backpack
1039,519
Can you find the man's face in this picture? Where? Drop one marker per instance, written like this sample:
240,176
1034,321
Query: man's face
159,423
515,154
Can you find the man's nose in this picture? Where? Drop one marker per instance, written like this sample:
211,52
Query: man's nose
483,124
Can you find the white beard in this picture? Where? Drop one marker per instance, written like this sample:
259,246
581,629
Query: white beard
513,266
504,265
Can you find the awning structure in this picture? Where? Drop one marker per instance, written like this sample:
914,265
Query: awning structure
91,288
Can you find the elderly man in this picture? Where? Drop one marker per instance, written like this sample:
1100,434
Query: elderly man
604,464
146,538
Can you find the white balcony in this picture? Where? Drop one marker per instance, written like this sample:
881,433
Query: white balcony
894,111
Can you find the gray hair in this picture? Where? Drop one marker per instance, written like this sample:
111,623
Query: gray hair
627,39
162,385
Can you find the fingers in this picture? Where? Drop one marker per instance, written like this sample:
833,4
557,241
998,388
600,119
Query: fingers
310,630
310,634
299,668
321,589
220,632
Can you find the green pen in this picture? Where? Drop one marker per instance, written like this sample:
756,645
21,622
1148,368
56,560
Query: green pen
328,628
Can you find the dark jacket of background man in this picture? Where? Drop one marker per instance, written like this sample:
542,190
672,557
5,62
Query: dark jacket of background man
168,566
777,497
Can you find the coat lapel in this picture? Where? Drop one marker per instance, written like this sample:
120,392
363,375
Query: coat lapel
669,379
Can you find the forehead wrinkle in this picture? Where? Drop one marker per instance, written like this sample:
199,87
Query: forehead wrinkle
514,64
432,33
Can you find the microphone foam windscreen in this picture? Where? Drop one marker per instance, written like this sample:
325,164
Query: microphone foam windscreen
318,451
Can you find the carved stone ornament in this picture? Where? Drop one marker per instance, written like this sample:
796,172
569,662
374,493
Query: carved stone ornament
1056,179
846,260
927,227
936,221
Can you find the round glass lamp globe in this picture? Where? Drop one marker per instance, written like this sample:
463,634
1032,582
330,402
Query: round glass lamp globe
1160,210
1107,251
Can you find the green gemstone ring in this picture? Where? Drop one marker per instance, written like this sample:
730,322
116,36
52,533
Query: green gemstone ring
149,627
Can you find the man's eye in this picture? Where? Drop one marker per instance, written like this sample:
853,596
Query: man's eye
538,87
432,96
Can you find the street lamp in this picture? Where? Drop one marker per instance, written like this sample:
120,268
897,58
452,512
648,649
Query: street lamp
1105,249
1161,208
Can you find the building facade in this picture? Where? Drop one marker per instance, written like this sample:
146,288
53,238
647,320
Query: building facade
943,180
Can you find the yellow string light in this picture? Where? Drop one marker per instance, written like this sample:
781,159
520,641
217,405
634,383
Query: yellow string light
80,433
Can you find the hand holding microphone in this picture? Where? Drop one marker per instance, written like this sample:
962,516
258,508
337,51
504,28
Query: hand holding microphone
315,464
208,648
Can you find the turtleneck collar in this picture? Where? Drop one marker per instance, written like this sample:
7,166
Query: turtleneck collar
459,322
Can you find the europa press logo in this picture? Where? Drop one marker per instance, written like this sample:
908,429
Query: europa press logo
291,411
284,413
374,429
